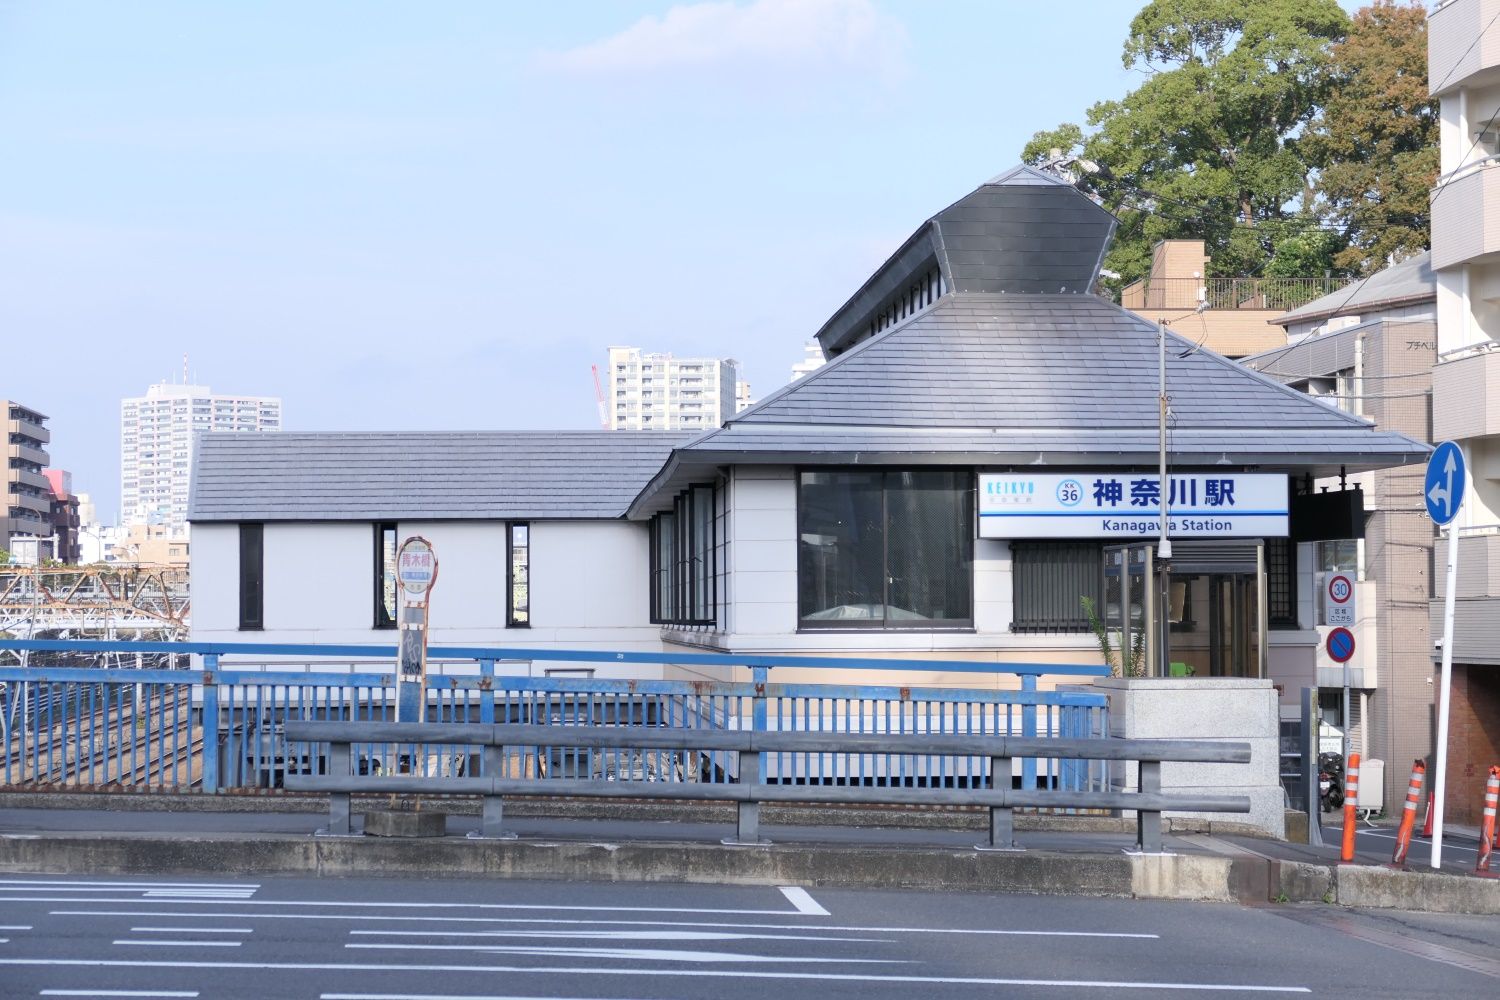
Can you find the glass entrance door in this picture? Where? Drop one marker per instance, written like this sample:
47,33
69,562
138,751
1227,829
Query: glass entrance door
1216,617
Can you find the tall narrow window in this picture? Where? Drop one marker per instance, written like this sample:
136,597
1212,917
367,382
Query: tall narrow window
683,560
1281,583
252,578
519,573
385,575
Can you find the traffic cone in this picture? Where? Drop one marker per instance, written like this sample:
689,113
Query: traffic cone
1351,807
1427,819
1409,814
1487,827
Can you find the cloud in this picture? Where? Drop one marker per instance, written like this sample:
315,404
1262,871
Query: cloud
805,35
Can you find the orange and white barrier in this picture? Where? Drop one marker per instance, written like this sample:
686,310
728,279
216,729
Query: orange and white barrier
1487,826
1409,813
1351,807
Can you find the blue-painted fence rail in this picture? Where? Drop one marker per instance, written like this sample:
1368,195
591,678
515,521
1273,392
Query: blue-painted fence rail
211,718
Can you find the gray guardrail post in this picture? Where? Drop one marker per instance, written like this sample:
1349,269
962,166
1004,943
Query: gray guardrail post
1148,821
747,810
338,802
491,820
1002,818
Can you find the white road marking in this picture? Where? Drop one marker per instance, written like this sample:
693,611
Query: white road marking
629,971
119,993
622,935
1418,841
132,885
805,904
365,917
182,944
4,940
433,996
15,927
193,930
627,954
436,906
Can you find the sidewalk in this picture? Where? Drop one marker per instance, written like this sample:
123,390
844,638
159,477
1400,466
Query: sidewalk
601,840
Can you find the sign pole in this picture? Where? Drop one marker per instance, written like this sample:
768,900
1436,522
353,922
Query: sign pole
1445,687
416,571
1443,493
1164,545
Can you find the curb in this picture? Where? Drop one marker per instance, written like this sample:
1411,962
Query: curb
1030,872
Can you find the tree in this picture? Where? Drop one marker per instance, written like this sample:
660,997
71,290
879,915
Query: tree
1375,143
1208,146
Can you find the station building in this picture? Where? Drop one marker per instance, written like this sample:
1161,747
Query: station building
972,475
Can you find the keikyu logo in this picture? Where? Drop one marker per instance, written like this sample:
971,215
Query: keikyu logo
1069,492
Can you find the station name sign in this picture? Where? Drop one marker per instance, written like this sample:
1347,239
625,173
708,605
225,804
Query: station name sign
1128,505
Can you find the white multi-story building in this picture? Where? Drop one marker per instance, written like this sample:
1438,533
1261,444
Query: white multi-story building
1463,63
812,360
658,392
156,444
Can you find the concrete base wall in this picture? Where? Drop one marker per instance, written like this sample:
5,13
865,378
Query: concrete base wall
1222,709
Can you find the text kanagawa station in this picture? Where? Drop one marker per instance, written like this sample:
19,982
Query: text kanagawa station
1128,505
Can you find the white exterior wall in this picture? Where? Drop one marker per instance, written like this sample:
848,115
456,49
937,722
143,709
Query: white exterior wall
588,585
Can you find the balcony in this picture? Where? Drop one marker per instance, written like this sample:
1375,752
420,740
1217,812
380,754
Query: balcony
28,453
1454,59
1478,565
1466,397
1466,219
1275,294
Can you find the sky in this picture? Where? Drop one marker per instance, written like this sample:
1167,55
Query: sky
412,216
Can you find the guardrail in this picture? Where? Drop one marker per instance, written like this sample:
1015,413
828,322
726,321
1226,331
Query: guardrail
750,792
221,727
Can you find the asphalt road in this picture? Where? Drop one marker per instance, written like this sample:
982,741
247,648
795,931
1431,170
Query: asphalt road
381,939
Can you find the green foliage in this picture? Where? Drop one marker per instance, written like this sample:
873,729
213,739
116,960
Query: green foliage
1375,143
1132,661
1208,146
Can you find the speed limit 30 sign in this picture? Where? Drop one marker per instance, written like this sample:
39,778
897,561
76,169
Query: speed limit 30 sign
1339,608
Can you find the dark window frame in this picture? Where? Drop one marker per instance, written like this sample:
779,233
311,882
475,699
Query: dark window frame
953,625
252,577
384,619
1029,557
1281,585
683,552
511,621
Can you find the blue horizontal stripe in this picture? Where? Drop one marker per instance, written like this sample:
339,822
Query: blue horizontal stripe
1171,512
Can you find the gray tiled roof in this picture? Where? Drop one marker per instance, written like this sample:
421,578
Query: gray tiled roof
1412,279
987,379
1029,362
437,476
1022,232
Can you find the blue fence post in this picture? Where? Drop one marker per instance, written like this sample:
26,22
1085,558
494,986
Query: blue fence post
487,691
1028,731
758,717
210,723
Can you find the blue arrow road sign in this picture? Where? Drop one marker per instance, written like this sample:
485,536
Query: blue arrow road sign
1444,487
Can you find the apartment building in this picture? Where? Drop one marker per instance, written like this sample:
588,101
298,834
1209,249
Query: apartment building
1463,59
1237,314
1368,349
659,392
812,360
157,432
28,495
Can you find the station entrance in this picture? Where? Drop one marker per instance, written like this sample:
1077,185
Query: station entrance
1203,614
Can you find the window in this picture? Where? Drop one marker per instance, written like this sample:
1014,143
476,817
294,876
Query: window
1281,583
252,578
888,550
518,577
1050,581
385,575
683,560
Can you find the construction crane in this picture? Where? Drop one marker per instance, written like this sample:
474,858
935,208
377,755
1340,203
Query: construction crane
599,395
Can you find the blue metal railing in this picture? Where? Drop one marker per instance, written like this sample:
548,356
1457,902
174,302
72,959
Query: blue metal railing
218,728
